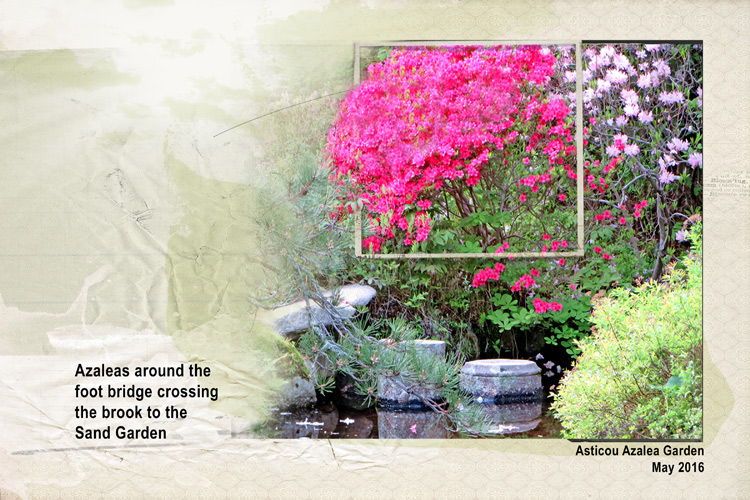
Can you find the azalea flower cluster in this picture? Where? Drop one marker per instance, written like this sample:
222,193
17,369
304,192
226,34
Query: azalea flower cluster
541,306
642,110
642,105
431,122
630,94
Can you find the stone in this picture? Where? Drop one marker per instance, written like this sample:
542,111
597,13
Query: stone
297,393
393,392
291,320
502,380
297,318
436,347
509,391
356,295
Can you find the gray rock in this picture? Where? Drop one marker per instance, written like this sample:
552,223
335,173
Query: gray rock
288,321
297,393
356,295
296,318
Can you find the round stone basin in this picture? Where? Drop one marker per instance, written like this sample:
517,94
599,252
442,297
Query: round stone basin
501,381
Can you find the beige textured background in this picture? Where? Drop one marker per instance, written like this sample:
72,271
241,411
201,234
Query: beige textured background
104,149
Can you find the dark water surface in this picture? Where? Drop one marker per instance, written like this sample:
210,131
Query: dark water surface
329,421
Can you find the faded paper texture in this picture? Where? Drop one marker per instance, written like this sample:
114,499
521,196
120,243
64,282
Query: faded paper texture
129,236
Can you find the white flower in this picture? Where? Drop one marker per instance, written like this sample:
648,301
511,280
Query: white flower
662,68
616,76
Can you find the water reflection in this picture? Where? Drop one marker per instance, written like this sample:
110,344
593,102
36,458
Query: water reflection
411,424
331,422
511,418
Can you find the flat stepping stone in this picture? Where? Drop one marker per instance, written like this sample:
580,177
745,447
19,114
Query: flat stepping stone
292,320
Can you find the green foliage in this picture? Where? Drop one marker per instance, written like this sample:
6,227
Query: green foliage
640,374
570,325
367,351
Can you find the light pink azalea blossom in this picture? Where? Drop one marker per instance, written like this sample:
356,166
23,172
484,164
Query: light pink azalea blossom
676,145
630,110
629,96
662,68
675,97
695,159
644,81
632,149
616,76
645,117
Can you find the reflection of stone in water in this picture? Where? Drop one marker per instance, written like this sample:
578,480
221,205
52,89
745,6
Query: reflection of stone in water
513,412
360,427
317,423
411,425
514,427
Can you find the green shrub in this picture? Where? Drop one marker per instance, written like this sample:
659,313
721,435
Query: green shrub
640,373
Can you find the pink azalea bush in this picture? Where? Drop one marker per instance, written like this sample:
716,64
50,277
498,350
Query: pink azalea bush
455,138
472,149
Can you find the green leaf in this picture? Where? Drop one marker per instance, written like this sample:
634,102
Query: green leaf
502,300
